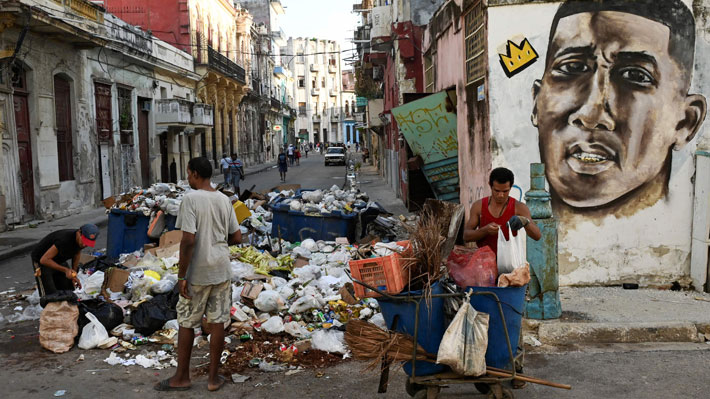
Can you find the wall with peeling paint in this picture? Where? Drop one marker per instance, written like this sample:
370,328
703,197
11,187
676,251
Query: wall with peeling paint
632,238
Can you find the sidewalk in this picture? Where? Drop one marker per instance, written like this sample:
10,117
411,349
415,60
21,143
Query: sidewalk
22,240
605,315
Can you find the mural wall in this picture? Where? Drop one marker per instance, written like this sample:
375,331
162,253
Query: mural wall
603,93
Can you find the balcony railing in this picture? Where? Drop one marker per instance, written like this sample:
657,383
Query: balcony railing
302,110
173,111
225,66
333,92
276,104
315,68
202,114
315,91
335,117
316,118
332,68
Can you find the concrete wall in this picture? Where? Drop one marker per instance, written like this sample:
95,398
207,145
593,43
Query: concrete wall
618,148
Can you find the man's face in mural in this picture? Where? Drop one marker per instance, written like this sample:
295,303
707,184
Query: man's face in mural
611,105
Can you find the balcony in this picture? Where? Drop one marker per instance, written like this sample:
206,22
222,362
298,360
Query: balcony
202,115
333,92
316,118
315,68
280,72
315,91
335,116
302,111
275,103
173,112
332,68
225,66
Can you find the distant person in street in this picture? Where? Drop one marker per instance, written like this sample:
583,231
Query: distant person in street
282,161
291,154
50,256
306,150
209,225
236,172
489,214
224,166
357,147
297,156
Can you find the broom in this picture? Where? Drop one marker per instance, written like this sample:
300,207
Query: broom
369,342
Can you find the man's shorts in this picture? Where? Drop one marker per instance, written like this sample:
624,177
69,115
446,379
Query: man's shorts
212,301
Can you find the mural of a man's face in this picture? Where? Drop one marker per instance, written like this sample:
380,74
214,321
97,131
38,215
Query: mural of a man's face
611,106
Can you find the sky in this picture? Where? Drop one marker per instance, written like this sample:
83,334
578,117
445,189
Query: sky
324,19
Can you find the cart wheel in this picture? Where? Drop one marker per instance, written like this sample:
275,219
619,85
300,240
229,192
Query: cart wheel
427,393
505,393
412,388
420,394
482,387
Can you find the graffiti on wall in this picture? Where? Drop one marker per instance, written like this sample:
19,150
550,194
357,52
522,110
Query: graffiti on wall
517,57
613,102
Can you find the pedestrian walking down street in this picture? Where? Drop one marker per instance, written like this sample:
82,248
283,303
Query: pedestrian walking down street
224,166
306,149
283,165
209,225
297,156
291,155
50,256
236,172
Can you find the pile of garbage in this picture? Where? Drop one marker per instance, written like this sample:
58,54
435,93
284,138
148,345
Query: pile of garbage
321,201
159,196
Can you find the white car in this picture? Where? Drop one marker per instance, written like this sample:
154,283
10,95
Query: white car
335,155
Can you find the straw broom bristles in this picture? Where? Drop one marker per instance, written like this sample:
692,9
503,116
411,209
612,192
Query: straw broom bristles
369,342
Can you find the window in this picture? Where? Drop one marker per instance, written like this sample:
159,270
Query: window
473,44
62,106
104,125
163,93
322,82
429,73
347,108
313,83
125,116
301,81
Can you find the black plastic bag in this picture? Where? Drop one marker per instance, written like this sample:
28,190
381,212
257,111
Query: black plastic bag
110,315
150,316
59,296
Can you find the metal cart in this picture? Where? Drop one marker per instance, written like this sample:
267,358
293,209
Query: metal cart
429,386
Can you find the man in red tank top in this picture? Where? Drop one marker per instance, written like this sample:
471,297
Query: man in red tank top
491,213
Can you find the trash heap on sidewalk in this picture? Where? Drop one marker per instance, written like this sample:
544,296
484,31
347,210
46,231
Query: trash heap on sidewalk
290,300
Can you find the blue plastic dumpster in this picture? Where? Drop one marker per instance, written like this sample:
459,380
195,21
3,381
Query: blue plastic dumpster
297,226
128,231
431,326
513,303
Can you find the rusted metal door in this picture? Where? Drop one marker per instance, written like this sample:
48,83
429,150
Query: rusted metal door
24,149
143,143
62,106
102,93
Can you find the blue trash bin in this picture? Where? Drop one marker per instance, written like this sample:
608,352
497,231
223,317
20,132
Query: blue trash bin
128,231
513,303
431,326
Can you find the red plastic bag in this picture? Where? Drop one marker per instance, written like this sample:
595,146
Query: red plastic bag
473,267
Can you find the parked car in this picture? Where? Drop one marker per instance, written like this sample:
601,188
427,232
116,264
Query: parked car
335,155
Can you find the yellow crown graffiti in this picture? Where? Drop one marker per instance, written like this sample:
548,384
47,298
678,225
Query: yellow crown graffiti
518,57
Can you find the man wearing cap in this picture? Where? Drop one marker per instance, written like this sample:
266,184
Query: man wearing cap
49,258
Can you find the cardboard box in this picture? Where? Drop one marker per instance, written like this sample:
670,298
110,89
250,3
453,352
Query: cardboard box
283,187
85,258
170,238
300,262
115,279
260,203
347,294
146,247
131,262
342,241
166,252
109,202
250,292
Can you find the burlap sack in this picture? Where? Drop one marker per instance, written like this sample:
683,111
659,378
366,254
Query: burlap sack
58,326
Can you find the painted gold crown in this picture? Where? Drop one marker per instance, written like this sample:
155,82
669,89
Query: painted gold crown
518,57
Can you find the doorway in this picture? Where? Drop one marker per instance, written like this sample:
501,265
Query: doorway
164,170
143,141
24,143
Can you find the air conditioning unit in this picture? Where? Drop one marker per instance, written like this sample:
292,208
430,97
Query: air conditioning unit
145,106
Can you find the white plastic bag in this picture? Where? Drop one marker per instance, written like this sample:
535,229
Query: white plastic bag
93,334
465,341
511,253
331,341
269,301
274,325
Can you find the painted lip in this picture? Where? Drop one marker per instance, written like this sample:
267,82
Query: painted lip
590,158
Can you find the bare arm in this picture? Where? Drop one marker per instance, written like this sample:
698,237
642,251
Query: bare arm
235,238
48,260
531,228
472,231
187,247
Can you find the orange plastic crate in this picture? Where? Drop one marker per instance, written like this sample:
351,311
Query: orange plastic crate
386,273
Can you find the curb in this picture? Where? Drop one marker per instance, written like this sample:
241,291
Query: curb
28,246
586,333
257,171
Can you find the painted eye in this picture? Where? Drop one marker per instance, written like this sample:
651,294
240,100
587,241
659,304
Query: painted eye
637,76
573,67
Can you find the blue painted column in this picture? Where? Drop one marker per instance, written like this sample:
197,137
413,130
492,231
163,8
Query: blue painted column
542,255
